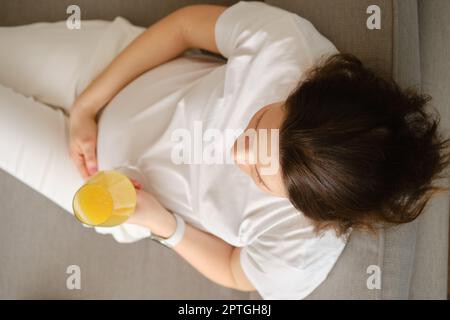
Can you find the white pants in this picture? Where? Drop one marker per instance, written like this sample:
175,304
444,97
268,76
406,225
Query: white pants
43,67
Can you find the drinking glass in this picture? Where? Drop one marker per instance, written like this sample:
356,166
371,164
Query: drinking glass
108,198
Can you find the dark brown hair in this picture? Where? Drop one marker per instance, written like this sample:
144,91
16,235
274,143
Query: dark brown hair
356,151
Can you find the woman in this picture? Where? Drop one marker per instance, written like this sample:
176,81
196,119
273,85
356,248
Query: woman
354,150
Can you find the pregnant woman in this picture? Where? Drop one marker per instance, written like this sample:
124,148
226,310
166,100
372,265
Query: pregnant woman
354,151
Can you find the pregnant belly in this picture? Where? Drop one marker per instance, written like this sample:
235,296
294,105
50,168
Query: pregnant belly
134,128
141,112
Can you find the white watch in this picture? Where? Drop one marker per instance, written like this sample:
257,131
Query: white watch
176,237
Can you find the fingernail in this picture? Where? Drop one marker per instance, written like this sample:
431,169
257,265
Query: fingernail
93,169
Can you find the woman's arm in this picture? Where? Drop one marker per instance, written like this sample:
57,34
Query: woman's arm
188,27
211,256
214,258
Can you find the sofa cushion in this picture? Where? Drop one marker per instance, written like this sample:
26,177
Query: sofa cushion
344,23
430,263
138,12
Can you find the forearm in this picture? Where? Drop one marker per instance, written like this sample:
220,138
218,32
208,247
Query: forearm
214,258
160,43
210,255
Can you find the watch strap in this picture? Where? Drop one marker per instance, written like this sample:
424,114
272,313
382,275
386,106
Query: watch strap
176,237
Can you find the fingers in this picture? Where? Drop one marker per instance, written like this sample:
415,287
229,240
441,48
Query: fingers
78,159
86,161
80,162
90,157
84,157
136,184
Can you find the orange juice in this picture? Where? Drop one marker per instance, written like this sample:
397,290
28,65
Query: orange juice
107,199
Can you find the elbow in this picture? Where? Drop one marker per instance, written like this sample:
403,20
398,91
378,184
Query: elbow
240,280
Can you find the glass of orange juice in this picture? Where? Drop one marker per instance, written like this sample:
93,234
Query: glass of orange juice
108,198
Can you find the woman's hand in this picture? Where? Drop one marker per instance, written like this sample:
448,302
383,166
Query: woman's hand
151,214
83,141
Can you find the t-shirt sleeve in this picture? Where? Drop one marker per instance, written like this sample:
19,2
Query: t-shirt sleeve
289,261
248,26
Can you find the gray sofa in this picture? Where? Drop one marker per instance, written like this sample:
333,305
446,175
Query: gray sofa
38,240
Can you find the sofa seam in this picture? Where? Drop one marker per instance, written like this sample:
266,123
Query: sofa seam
382,236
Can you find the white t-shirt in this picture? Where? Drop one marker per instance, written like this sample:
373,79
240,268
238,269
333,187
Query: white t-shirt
268,50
